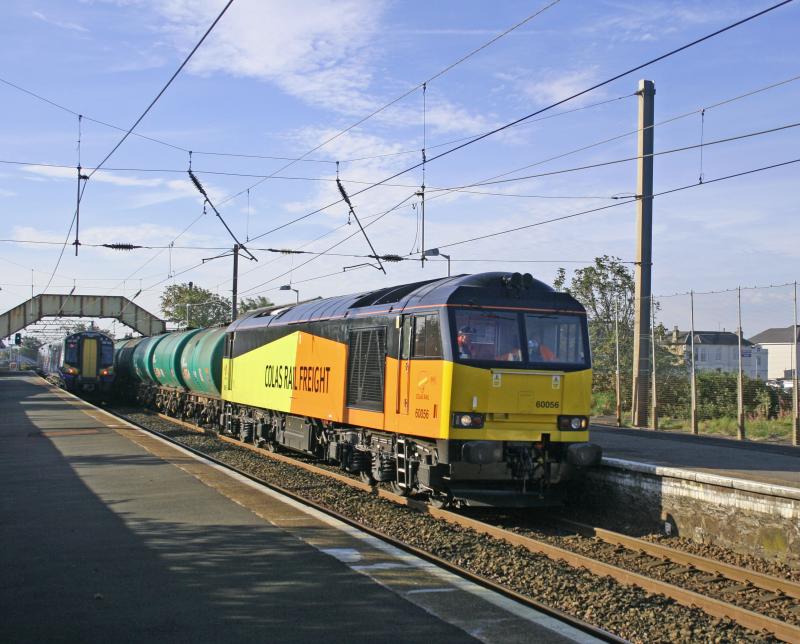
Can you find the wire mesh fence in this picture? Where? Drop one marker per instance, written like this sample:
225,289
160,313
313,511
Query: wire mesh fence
729,369
17,358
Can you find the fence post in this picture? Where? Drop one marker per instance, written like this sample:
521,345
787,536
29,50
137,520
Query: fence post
654,395
740,379
618,383
795,394
694,383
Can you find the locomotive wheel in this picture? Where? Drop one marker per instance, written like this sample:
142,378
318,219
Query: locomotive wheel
440,501
401,491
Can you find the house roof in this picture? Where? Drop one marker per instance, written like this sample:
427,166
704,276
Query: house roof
776,335
709,338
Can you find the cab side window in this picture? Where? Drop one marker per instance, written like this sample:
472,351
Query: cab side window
427,337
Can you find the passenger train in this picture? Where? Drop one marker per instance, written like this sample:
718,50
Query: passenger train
474,389
82,363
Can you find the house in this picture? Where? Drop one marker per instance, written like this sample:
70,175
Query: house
719,351
780,344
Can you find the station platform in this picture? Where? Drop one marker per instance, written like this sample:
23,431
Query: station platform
111,534
765,463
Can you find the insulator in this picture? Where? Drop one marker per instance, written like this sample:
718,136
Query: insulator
119,246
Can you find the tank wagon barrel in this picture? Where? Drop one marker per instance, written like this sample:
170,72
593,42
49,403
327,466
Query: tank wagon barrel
475,388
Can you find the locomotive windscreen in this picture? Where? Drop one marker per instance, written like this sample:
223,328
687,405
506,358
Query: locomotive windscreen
484,335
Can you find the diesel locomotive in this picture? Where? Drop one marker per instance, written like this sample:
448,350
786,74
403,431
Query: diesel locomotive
474,388
82,363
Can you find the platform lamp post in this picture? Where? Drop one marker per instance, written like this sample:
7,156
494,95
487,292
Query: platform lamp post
434,252
288,287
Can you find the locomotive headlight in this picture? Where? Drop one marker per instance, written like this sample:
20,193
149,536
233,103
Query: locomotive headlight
574,423
463,419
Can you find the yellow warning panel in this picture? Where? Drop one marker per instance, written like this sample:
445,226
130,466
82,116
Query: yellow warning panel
89,358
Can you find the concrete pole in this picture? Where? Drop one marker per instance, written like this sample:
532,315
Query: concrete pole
795,379
235,289
618,375
694,382
740,379
644,254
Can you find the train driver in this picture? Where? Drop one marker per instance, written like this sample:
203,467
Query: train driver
464,342
537,350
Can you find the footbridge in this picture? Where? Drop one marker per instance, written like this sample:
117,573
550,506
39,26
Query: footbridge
81,306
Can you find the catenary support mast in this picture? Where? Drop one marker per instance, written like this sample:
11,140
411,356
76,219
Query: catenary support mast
644,255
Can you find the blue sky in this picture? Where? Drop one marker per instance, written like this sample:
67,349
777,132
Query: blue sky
278,78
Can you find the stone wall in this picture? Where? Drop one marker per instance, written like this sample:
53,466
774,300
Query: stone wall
745,516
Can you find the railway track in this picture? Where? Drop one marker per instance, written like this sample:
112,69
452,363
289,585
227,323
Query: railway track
722,591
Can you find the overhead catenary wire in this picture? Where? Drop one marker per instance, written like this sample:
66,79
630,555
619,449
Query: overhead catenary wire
727,290
403,95
318,179
335,245
274,157
555,104
128,132
666,121
620,203
602,164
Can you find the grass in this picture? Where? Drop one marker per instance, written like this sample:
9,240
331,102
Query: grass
758,429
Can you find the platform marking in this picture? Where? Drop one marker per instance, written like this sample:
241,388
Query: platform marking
345,555
381,565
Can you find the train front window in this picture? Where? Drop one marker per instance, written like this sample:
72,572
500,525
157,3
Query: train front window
106,353
488,335
71,352
555,338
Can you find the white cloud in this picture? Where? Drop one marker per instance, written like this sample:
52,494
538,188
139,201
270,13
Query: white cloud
316,50
62,24
556,86
7,193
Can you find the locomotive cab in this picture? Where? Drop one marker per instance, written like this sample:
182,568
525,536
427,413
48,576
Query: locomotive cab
516,386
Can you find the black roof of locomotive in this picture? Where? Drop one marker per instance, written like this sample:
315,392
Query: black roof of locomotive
482,289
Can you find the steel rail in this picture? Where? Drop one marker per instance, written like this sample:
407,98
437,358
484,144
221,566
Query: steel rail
734,573
714,607
575,622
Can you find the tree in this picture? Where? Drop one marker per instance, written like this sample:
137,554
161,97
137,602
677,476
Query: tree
32,342
250,303
194,306
606,289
